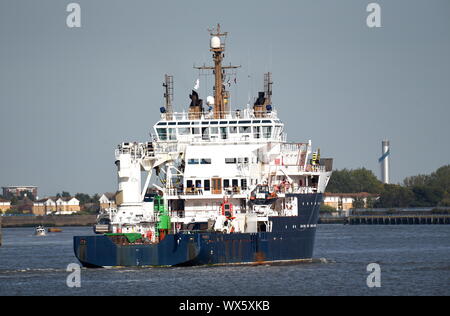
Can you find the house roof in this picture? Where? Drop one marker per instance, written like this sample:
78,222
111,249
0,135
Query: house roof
110,195
54,199
19,186
67,199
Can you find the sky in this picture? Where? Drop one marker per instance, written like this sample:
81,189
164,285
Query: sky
68,96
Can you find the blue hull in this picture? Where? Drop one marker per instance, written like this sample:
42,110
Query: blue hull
291,238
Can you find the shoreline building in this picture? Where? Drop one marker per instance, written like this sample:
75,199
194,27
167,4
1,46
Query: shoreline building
345,201
18,190
5,205
57,206
107,200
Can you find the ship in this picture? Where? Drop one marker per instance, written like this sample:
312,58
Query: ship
212,185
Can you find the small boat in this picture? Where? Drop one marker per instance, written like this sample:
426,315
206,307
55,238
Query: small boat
54,230
40,231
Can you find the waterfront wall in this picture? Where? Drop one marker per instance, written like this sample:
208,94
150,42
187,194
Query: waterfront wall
399,220
48,221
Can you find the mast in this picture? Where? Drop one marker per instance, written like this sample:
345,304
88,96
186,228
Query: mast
268,87
168,95
218,48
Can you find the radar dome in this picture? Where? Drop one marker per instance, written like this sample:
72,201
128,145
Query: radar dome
215,42
210,100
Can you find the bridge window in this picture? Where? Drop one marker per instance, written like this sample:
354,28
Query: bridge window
195,130
162,133
205,133
214,130
257,131
193,161
183,131
205,161
244,129
267,131
223,133
172,134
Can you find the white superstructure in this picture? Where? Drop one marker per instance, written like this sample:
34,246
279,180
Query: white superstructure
205,160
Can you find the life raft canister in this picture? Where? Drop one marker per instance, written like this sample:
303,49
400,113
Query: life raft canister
227,210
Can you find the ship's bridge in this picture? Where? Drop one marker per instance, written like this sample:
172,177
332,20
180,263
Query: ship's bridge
235,126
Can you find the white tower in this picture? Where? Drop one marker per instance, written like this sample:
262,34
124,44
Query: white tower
384,161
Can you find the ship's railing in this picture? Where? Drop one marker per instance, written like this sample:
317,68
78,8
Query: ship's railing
307,168
149,149
199,191
294,147
239,139
210,115
312,168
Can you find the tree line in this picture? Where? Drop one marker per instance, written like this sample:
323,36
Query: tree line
415,191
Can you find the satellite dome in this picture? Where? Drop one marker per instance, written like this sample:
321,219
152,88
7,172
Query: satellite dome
215,42
210,100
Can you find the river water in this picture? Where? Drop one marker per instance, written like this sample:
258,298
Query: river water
414,260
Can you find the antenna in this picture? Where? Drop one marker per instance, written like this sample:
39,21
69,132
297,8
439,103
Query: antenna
168,95
221,96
